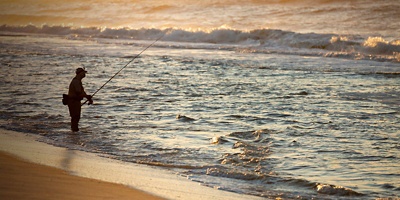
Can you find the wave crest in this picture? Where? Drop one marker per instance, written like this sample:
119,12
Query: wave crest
378,45
335,190
257,41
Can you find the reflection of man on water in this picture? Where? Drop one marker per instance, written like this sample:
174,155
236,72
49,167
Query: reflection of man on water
75,94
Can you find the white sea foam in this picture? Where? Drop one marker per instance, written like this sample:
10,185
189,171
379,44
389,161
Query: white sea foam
335,190
257,41
354,30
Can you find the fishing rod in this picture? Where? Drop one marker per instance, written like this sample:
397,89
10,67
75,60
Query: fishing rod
125,66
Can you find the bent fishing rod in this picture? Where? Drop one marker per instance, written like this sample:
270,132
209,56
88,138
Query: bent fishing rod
125,66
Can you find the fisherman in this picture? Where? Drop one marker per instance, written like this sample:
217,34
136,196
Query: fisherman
75,94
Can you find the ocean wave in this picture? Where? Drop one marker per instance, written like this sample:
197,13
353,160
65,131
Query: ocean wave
335,190
254,41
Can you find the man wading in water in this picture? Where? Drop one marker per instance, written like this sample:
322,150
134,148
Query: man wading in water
75,94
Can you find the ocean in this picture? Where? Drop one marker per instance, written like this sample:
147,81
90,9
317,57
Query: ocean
280,99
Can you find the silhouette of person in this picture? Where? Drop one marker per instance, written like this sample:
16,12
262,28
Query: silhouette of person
76,93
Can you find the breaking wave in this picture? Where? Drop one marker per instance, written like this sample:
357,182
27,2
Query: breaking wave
255,41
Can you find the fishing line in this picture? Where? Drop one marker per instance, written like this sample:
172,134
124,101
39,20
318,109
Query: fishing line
126,66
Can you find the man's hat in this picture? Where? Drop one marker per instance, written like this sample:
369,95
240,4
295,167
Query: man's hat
80,70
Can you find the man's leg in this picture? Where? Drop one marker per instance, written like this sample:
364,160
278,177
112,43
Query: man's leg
75,113
75,124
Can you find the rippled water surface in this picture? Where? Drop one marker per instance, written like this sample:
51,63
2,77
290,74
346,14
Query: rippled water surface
262,124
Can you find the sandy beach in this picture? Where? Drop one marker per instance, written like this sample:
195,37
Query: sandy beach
36,170
25,180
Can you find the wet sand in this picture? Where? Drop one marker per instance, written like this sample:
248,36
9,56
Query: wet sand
20,179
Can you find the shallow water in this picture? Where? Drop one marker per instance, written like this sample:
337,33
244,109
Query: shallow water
271,125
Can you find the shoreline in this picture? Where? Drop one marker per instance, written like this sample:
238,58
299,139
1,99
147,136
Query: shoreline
142,179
